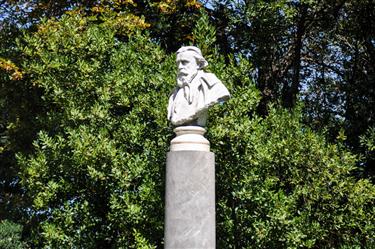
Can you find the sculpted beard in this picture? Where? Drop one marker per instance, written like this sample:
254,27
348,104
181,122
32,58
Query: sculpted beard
184,79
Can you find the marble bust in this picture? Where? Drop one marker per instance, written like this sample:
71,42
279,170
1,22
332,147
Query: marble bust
196,90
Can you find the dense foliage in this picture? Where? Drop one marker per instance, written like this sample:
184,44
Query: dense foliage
322,52
96,174
282,186
10,235
84,133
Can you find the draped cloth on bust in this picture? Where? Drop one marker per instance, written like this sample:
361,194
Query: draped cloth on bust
189,103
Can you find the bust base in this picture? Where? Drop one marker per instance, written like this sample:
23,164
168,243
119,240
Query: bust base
190,138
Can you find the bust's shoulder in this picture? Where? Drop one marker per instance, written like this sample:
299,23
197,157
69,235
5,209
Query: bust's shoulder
209,78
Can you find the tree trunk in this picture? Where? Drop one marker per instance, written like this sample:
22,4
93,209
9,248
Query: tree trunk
290,92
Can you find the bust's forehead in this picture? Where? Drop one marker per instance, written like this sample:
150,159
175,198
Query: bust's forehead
185,55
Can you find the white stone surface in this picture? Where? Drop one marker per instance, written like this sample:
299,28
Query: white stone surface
190,200
196,90
190,138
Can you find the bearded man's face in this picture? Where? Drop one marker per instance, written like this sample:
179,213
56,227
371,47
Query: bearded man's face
187,67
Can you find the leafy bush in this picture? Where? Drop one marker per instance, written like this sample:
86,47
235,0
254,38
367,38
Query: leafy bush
280,185
10,235
96,176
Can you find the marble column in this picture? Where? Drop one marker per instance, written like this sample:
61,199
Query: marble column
190,191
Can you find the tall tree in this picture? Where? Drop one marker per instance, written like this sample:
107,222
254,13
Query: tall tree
320,52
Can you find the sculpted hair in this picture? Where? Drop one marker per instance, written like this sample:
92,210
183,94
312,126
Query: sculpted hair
201,61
